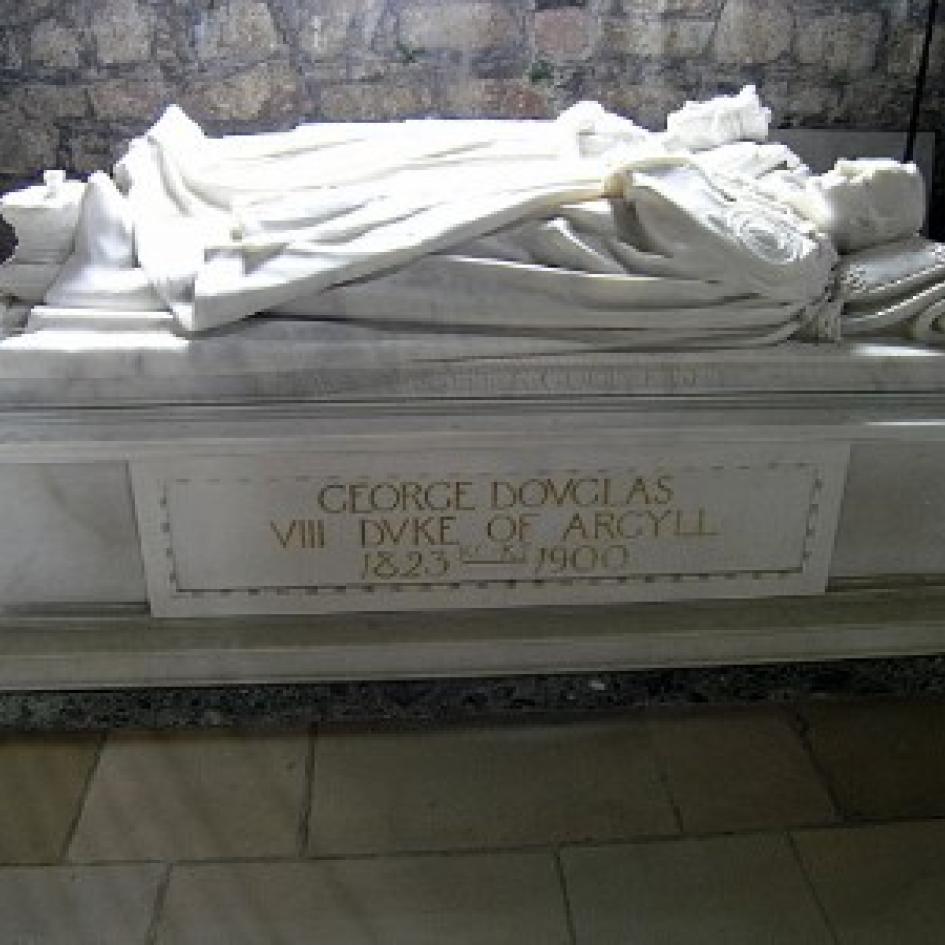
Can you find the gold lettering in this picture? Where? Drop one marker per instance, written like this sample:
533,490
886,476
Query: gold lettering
704,528
637,489
412,530
664,491
355,492
657,519
307,532
533,493
287,537
623,531
698,522
576,526
393,497
412,493
462,489
604,524
323,498
501,528
593,498
505,491
605,498
446,500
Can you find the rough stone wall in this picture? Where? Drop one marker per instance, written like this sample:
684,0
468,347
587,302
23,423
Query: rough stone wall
79,77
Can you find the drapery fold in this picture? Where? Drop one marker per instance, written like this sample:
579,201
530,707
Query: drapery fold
587,217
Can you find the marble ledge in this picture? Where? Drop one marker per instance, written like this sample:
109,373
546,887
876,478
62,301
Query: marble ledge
140,359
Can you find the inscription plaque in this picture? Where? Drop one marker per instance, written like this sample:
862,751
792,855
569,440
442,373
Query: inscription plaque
426,529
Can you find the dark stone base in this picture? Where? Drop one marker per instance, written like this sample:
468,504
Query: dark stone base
455,700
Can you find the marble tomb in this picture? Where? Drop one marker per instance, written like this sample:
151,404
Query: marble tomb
468,397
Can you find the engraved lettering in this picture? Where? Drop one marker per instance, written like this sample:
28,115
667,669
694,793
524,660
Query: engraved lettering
284,539
664,491
336,505
308,533
658,519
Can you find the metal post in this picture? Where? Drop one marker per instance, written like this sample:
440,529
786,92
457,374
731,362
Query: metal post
920,82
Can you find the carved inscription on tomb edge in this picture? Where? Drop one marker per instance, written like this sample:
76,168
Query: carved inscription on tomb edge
678,523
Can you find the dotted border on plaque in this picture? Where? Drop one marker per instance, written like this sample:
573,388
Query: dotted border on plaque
308,591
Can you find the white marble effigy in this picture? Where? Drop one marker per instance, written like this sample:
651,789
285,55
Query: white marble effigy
704,235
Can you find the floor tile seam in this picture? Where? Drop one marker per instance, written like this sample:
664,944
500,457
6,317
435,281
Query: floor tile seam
551,846
308,787
802,726
83,799
276,860
766,831
812,887
867,823
486,849
662,772
157,909
565,897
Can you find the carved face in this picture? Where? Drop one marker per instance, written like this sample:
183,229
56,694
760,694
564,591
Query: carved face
871,201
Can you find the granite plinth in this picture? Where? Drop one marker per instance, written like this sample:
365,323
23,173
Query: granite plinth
439,700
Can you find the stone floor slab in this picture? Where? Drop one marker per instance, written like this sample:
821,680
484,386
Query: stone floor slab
42,780
880,885
739,770
192,796
429,900
485,787
88,905
721,891
884,760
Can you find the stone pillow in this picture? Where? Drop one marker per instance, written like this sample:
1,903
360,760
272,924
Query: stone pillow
895,288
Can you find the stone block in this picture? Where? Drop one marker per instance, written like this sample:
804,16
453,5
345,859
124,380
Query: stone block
268,90
140,99
882,884
338,28
877,102
753,31
12,44
36,101
564,33
41,786
90,150
30,150
801,103
647,102
490,899
776,785
170,796
656,38
54,46
461,26
60,905
498,98
905,49
16,12
840,42
316,37
473,788
741,890
362,101
238,29
123,30
709,8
